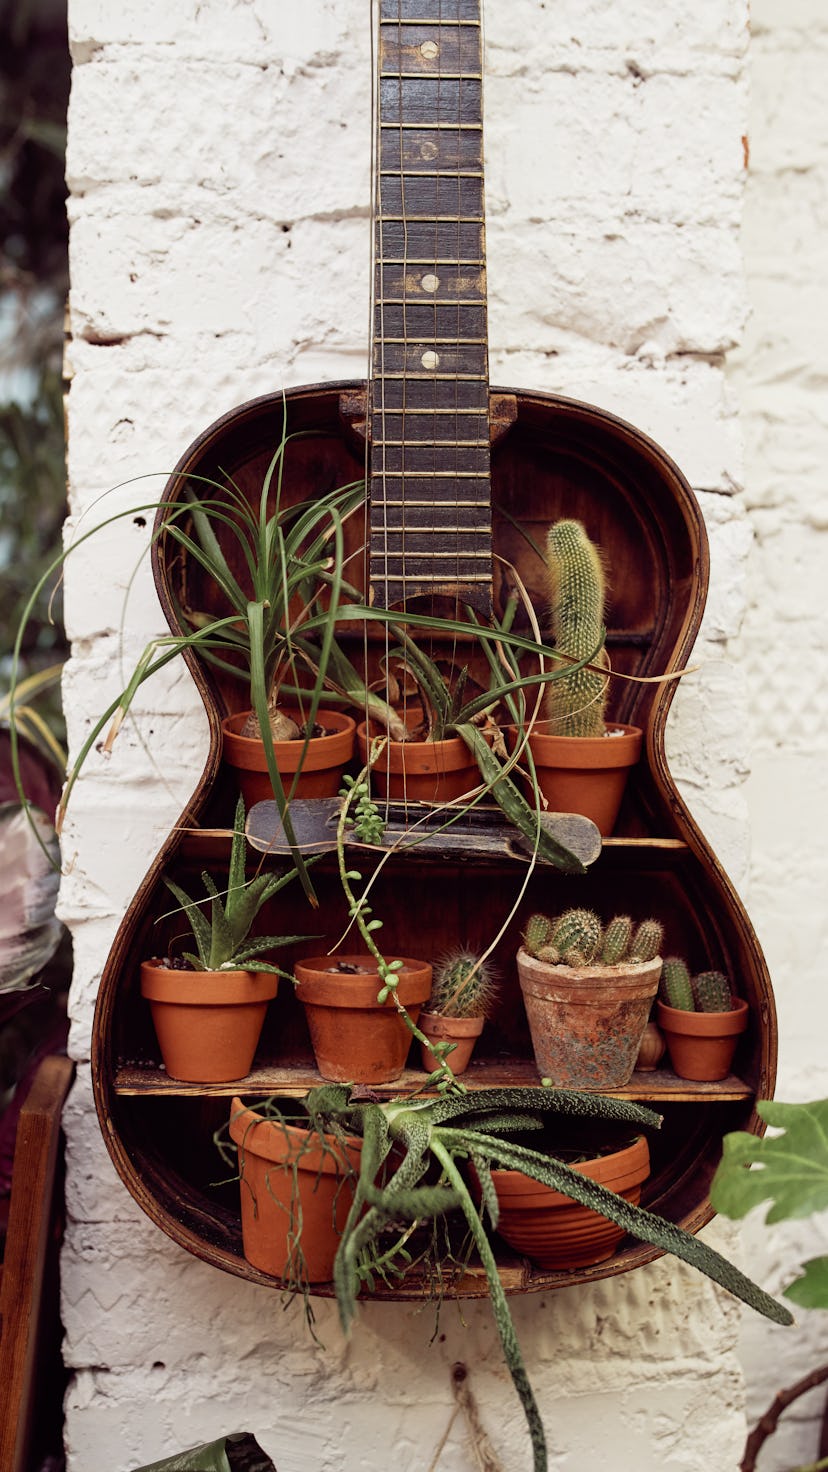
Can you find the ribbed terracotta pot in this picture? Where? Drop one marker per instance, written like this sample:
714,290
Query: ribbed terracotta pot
207,1022
586,774
355,1038
551,1228
701,1045
463,1031
652,1050
296,1192
421,771
321,765
587,1023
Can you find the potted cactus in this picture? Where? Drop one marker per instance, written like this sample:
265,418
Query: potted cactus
587,989
581,764
701,1020
208,1005
462,993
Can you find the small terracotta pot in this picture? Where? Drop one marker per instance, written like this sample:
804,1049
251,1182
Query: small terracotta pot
551,1228
587,1023
321,764
421,771
355,1038
207,1022
585,774
464,1031
652,1050
296,1192
702,1044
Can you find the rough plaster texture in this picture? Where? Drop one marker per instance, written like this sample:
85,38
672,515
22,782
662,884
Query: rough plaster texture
780,373
218,167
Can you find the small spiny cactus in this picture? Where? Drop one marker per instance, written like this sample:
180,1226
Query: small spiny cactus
711,992
574,703
615,944
576,935
646,943
675,988
463,985
536,934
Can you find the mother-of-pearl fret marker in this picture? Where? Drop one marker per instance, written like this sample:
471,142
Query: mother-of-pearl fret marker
430,359
430,282
428,150
429,50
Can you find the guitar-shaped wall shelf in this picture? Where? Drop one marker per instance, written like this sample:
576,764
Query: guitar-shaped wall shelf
457,470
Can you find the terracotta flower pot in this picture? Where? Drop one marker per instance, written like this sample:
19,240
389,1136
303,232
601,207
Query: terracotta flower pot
321,764
464,1031
702,1044
587,1023
355,1038
551,1228
207,1022
421,771
652,1050
585,774
296,1192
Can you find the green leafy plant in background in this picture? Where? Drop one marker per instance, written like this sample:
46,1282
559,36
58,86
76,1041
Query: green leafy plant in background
239,1452
789,1171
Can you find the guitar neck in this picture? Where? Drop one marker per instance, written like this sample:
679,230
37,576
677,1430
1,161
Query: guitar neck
430,490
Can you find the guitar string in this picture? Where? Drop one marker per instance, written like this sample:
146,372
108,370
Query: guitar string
404,325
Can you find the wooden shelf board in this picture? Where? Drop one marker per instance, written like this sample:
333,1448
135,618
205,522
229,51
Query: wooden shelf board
660,1086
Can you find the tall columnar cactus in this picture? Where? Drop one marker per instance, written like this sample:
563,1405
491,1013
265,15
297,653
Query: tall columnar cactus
616,942
646,943
574,703
675,988
711,992
463,985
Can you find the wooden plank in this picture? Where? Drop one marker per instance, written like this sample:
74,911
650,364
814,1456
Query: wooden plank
27,1243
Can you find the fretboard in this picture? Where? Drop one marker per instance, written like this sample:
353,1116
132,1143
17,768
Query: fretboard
430,489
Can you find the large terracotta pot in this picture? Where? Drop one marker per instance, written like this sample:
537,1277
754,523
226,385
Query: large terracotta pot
355,1038
421,771
462,1031
585,774
321,764
551,1228
587,1022
296,1192
207,1022
702,1044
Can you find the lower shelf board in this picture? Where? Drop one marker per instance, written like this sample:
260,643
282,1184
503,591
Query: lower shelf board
134,1079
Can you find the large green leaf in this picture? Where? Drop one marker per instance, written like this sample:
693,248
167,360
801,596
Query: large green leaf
239,1452
811,1290
790,1170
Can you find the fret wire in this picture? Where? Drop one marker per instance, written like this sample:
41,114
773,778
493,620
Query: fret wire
440,444
432,76
432,504
418,577
433,474
428,219
425,261
432,174
435,552
441,24
437,342
436,377
437,127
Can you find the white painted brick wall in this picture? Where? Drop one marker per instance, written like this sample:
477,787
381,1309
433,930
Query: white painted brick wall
780,373
218,167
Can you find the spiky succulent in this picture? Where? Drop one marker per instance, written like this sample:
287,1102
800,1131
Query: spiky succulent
463,985
222,939
577,938
574,703
709,991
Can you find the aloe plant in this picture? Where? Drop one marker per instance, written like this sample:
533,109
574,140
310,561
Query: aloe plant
424,1142
223,940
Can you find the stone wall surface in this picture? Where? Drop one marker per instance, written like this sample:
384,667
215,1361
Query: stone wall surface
218,169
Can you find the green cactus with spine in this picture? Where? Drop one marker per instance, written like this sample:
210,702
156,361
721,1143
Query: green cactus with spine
574,703
536,933
646,942
616,943
578,938
463,985
675,988
711,992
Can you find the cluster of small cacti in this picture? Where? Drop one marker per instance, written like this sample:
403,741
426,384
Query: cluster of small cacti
574,703
578,938
707,992
462,986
